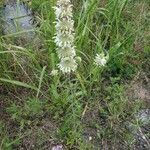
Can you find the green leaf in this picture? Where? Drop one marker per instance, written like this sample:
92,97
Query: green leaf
19,84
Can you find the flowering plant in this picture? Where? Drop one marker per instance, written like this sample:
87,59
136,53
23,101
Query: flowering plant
64,37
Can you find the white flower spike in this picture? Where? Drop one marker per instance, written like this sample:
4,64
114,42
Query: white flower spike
64,38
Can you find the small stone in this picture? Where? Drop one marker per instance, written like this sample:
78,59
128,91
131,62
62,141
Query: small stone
16,22
57,147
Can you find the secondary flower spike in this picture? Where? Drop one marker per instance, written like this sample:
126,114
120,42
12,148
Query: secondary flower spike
64,37
101,60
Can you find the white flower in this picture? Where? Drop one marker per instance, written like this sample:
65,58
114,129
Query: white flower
65,26
101,59
64,39
67,65
54,72
66,51
63,2
63,9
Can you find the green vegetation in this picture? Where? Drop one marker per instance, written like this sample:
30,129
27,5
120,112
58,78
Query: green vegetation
38,110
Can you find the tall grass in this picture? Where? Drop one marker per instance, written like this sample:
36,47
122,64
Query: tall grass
109,26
